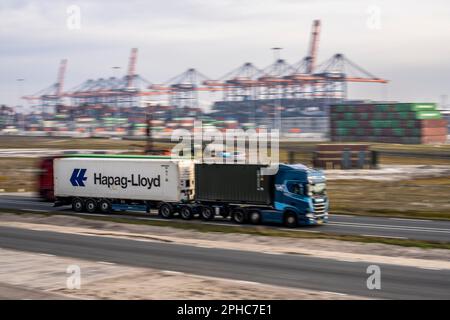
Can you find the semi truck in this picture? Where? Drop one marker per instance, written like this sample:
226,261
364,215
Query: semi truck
295,195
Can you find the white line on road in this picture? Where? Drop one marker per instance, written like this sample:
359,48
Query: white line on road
335,293
381,236
106,263
245,282
173,273
431,268
46,255
406,219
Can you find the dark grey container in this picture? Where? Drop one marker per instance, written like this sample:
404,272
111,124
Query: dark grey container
233,183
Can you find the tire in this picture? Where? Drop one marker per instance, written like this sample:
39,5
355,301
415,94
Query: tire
77,205
165,210
290,219
239,216
255,216
105,206
207,213
90,205
186,213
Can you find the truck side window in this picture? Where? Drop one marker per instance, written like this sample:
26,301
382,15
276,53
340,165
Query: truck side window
295,187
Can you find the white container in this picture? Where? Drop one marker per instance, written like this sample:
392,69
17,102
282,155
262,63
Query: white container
124,178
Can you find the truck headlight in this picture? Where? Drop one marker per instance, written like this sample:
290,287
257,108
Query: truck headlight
310,215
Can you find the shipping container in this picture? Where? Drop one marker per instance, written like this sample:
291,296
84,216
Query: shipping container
124,178
233,183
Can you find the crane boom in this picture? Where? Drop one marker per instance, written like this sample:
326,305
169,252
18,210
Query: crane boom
60,79
314,46
132,67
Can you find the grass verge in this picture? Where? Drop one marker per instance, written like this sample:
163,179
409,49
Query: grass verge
252,230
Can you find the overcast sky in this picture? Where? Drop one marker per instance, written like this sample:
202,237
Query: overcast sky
407,42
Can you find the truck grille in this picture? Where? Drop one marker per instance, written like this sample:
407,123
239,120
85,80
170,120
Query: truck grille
319,207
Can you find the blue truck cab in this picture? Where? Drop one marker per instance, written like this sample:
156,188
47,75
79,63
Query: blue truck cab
301,191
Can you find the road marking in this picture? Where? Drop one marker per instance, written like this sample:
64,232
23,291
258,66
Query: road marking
406,219
343,215
381,236
272,252
299,230
173,273
46,255
106,262
246,282
335,293
431,268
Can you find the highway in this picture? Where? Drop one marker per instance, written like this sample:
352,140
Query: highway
339,277
397,228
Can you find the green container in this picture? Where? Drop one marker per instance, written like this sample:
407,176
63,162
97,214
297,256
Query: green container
415,107
346,124
426,115
342,131
340,108
382,107
349,116
380,123
398,132
364,116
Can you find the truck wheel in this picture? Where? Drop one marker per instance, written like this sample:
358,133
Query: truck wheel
77,205
186,213
255,217
105,206
165,210
239,216
91,205
207,213
290,220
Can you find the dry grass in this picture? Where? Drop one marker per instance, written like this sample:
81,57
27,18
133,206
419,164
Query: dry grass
426,198
18,173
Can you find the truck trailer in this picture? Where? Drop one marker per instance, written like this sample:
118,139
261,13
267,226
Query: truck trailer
295,195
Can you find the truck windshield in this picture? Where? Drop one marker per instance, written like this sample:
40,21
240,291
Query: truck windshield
317,188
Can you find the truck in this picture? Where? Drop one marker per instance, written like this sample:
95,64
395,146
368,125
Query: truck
294,195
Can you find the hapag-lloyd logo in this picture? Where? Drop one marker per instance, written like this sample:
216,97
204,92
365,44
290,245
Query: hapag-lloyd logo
78,178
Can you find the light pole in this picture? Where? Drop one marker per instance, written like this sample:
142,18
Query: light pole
20,115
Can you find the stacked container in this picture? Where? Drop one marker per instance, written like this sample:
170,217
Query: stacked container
408,123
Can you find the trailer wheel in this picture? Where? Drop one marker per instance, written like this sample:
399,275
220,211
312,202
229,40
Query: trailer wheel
77,205
186,213
255,217
207,213
165,210
91,205
290,219
239,216
105,206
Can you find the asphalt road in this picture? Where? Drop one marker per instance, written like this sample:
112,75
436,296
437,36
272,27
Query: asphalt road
417,229
286,270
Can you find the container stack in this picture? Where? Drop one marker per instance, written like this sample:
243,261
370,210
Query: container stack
406,123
